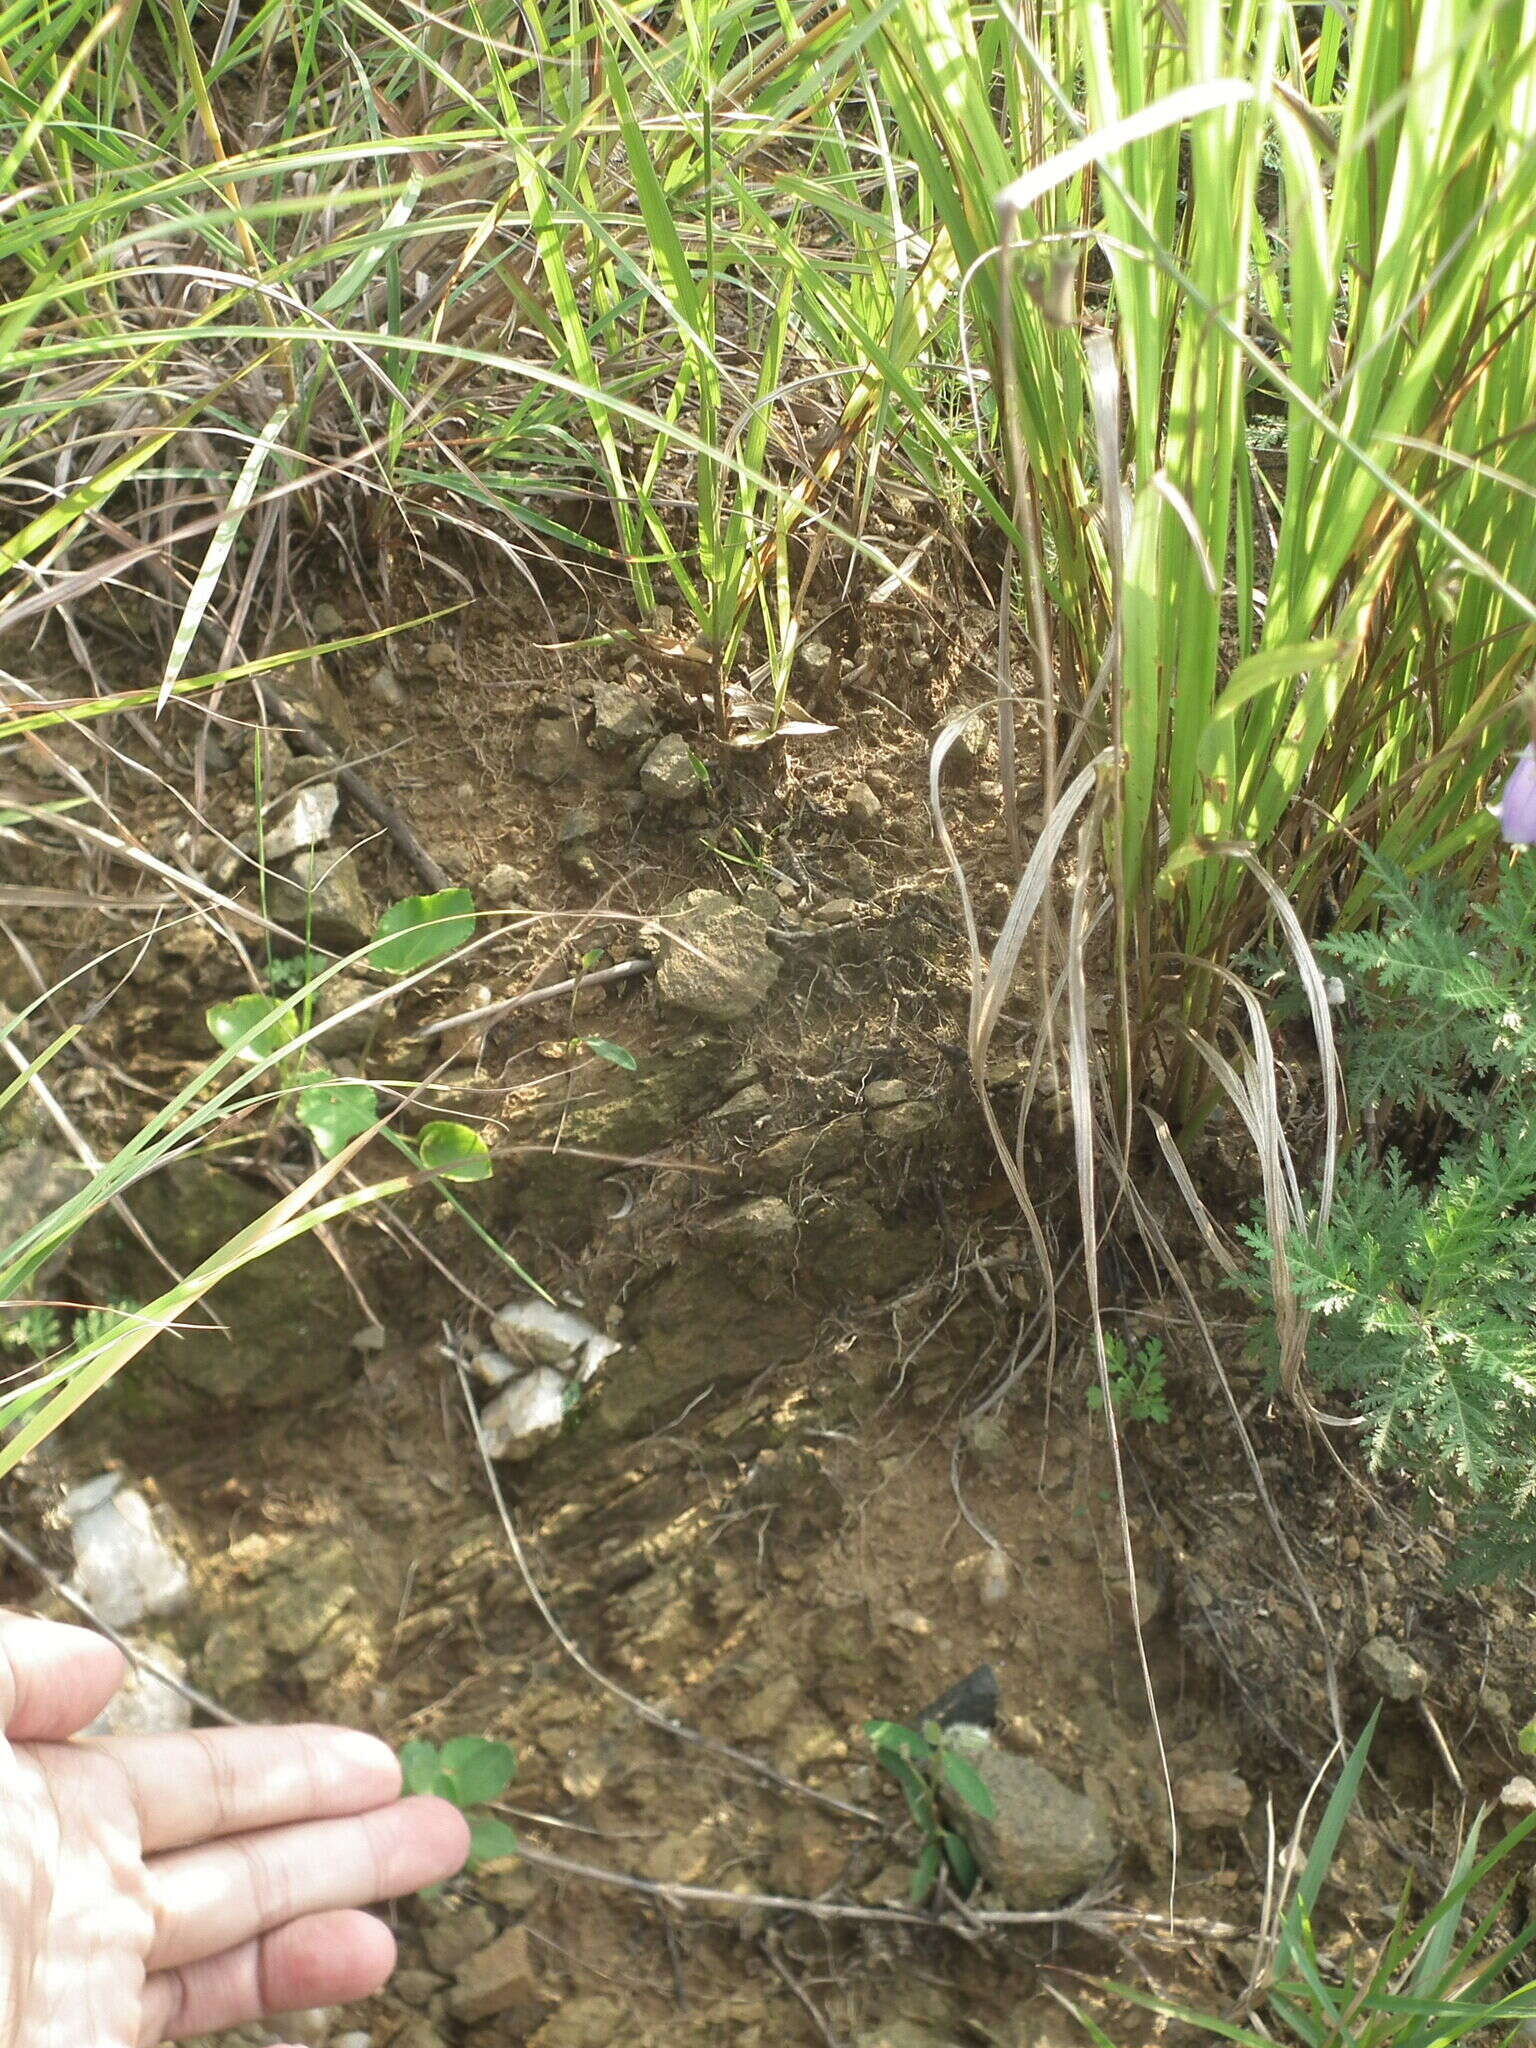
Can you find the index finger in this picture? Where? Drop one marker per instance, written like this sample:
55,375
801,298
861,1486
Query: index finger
212,1782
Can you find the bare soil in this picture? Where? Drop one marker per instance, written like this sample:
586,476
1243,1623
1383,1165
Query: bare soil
826,1485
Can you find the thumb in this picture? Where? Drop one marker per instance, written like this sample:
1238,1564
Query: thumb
54,1679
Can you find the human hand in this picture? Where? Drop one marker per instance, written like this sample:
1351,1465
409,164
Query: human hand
153,1886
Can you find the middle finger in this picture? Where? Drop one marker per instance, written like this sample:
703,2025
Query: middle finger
224,1893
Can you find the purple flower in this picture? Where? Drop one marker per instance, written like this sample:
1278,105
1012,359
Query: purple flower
1516,808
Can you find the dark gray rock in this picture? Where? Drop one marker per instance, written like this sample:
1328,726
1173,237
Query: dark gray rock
622,717
553,752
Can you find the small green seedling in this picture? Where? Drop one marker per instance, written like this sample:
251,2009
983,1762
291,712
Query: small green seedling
469,1770
1135,1381
336,1108
922,1763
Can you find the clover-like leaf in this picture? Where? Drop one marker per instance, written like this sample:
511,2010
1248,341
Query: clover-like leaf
334,1112
478,1768
420,929
454,1152
419,1767
270,1026
490,1838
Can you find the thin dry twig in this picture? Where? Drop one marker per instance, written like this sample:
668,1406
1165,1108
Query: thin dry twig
1090,1919
600,977
652,1715
771,1947
308,740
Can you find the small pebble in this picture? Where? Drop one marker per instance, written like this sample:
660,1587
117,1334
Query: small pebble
995,1579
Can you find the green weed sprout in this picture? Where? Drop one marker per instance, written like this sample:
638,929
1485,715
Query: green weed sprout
1135,1380
470,1771
923,1764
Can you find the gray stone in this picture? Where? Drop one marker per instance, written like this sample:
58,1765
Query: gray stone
286,1318
1212,1799
902,1123
505,888
1393,1670
320,895
1044,1842
759,897
304,820
765,1228
622,718
553,752
456,1933
861,803
668,772
340,993
753,1100
578,824
714,958
815,657
499,1979
882,1094
387,686
543,1333
415,1987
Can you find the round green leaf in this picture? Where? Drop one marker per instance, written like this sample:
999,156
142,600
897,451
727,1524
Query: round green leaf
419,1767
334,1112
264,1016
479,1768
420,929
454,1152
490,1838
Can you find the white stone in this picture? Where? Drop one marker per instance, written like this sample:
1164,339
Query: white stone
1519,1796
145,1704
526,1416
125,1571
306,822
542,1333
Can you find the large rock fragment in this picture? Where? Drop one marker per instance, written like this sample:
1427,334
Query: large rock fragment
713,958
1043,1842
